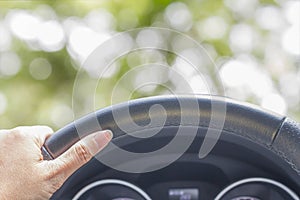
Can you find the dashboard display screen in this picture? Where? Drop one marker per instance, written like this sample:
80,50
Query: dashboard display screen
184,194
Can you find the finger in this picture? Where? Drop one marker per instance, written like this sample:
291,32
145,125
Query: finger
81,152
42,133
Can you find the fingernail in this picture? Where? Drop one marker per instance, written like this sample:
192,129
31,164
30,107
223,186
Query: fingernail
108,134
103,136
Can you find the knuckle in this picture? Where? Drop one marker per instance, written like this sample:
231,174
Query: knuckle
17,133
82,153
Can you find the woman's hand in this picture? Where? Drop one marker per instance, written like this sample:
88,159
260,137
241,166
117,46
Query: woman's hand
23,172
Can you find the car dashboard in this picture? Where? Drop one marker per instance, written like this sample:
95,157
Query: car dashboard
233,170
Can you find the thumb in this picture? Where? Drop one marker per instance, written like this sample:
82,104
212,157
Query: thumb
80,153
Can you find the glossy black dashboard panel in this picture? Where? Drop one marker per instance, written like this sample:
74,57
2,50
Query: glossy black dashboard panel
234,158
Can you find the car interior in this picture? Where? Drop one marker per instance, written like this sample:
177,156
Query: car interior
254,153
202,97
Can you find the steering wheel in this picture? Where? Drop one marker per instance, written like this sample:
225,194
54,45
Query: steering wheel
269,135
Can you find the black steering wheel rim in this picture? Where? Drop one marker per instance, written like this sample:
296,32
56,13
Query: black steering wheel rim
277,134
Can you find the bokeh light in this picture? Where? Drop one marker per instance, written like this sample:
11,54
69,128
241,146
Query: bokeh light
40,69
274,102
269,17
10,64
83,40
242,8
242,38
51,36
254,44
179,17
5,36
23,24
214,27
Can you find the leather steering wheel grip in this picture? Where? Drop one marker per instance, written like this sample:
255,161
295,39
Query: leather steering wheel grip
287,143
275,132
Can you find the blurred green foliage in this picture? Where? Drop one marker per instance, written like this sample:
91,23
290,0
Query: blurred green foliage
29,101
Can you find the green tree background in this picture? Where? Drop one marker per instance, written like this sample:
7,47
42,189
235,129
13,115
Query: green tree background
37,77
